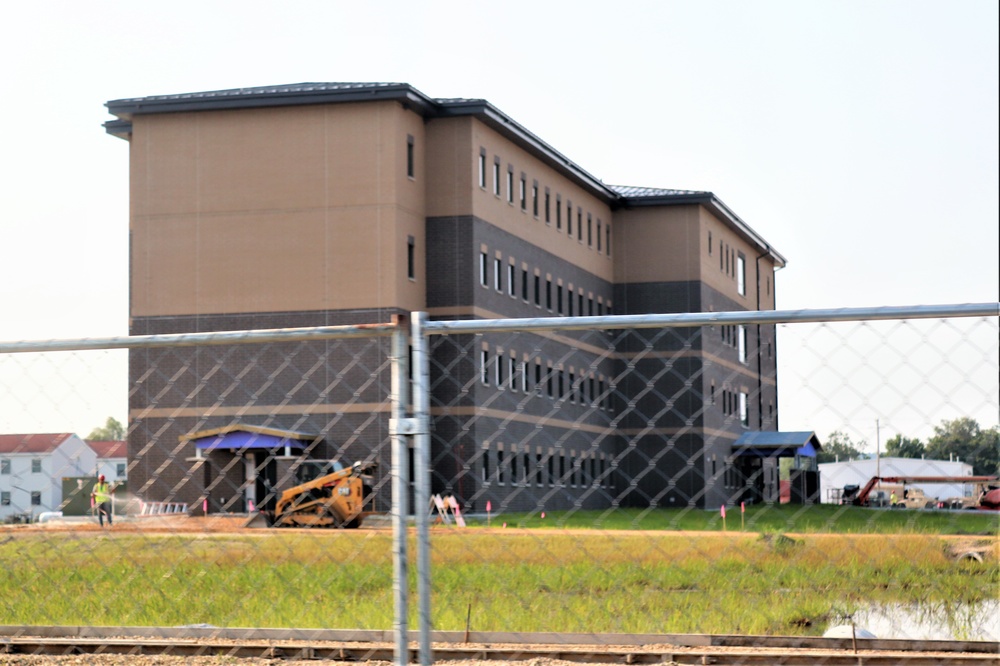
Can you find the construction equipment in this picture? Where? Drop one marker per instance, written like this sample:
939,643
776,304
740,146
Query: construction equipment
336,499
869,496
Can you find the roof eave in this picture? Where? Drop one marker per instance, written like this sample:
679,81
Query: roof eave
719,208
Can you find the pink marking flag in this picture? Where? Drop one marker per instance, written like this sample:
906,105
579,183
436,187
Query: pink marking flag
722,510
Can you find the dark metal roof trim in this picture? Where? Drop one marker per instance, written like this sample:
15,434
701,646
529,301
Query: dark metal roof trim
640,197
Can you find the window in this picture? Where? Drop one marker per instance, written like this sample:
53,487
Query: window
36,465
579,310
511,272
579,224
511,373
590,231
548,294
522,193
482,168
501,477
741,342
710,243
513,467
524,376
569,301
538,290
607,239
572,387
498,368
569,218
510,184
590,306
524,284
411,270
120,470
744,411
534,199
559,298
598,236
5,498
484,367
538,377
484,278
496,176
741,277
409,156
36,498
548,217
5,466
558,213
498,274
486,464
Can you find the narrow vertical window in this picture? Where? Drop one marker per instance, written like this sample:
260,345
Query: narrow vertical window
482,168
484,367
498,369
411,268
569,218
548,294
409,156
741,274
484,277
607,239
524,284
559,298
524,376
511,373
558,213
510,184
522,193
569,301
710,243
534,199
744,411
741,342
486,464
548,197
590,231
598,236
511,272
496,176
498,274
579,224
538,290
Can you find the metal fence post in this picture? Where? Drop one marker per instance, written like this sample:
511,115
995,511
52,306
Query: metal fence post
422,476
400,477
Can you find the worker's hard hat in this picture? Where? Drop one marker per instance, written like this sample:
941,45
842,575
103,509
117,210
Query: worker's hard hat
100,478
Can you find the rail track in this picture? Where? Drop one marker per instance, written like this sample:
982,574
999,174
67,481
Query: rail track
345,646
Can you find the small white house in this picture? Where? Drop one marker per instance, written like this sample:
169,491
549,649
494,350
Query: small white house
834,476
32,467
112,459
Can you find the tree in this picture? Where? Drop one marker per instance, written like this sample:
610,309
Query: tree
964,439
838,446
113,430
904,447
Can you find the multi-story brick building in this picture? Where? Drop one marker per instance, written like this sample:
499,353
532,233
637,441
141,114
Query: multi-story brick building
328,203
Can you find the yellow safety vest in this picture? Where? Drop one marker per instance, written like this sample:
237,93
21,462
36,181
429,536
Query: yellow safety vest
102,493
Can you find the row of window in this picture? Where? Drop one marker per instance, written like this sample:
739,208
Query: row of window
735,336
734,403
590,228
550,294
563,469
36,498
505,372
36,465
732,263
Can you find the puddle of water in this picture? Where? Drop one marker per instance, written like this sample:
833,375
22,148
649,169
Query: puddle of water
964,622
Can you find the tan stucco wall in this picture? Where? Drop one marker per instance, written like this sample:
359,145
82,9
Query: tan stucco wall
456,157
258,210
657,244
723,238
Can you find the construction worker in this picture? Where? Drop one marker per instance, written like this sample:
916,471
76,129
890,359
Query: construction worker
892,498
100,498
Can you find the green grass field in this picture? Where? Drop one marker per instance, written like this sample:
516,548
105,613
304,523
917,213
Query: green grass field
578,573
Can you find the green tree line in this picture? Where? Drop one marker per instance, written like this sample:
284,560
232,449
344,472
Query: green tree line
961,438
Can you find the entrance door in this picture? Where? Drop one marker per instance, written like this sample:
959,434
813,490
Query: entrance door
265,480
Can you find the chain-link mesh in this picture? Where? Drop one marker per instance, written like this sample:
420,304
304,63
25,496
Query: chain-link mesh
648,480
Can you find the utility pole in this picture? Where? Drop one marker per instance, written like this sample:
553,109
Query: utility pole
878,455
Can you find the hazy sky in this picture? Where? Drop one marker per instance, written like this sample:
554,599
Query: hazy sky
859,138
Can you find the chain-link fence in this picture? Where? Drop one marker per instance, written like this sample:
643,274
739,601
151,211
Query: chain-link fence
659,474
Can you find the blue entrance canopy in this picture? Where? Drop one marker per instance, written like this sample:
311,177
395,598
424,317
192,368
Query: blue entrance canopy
238,437
777,444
